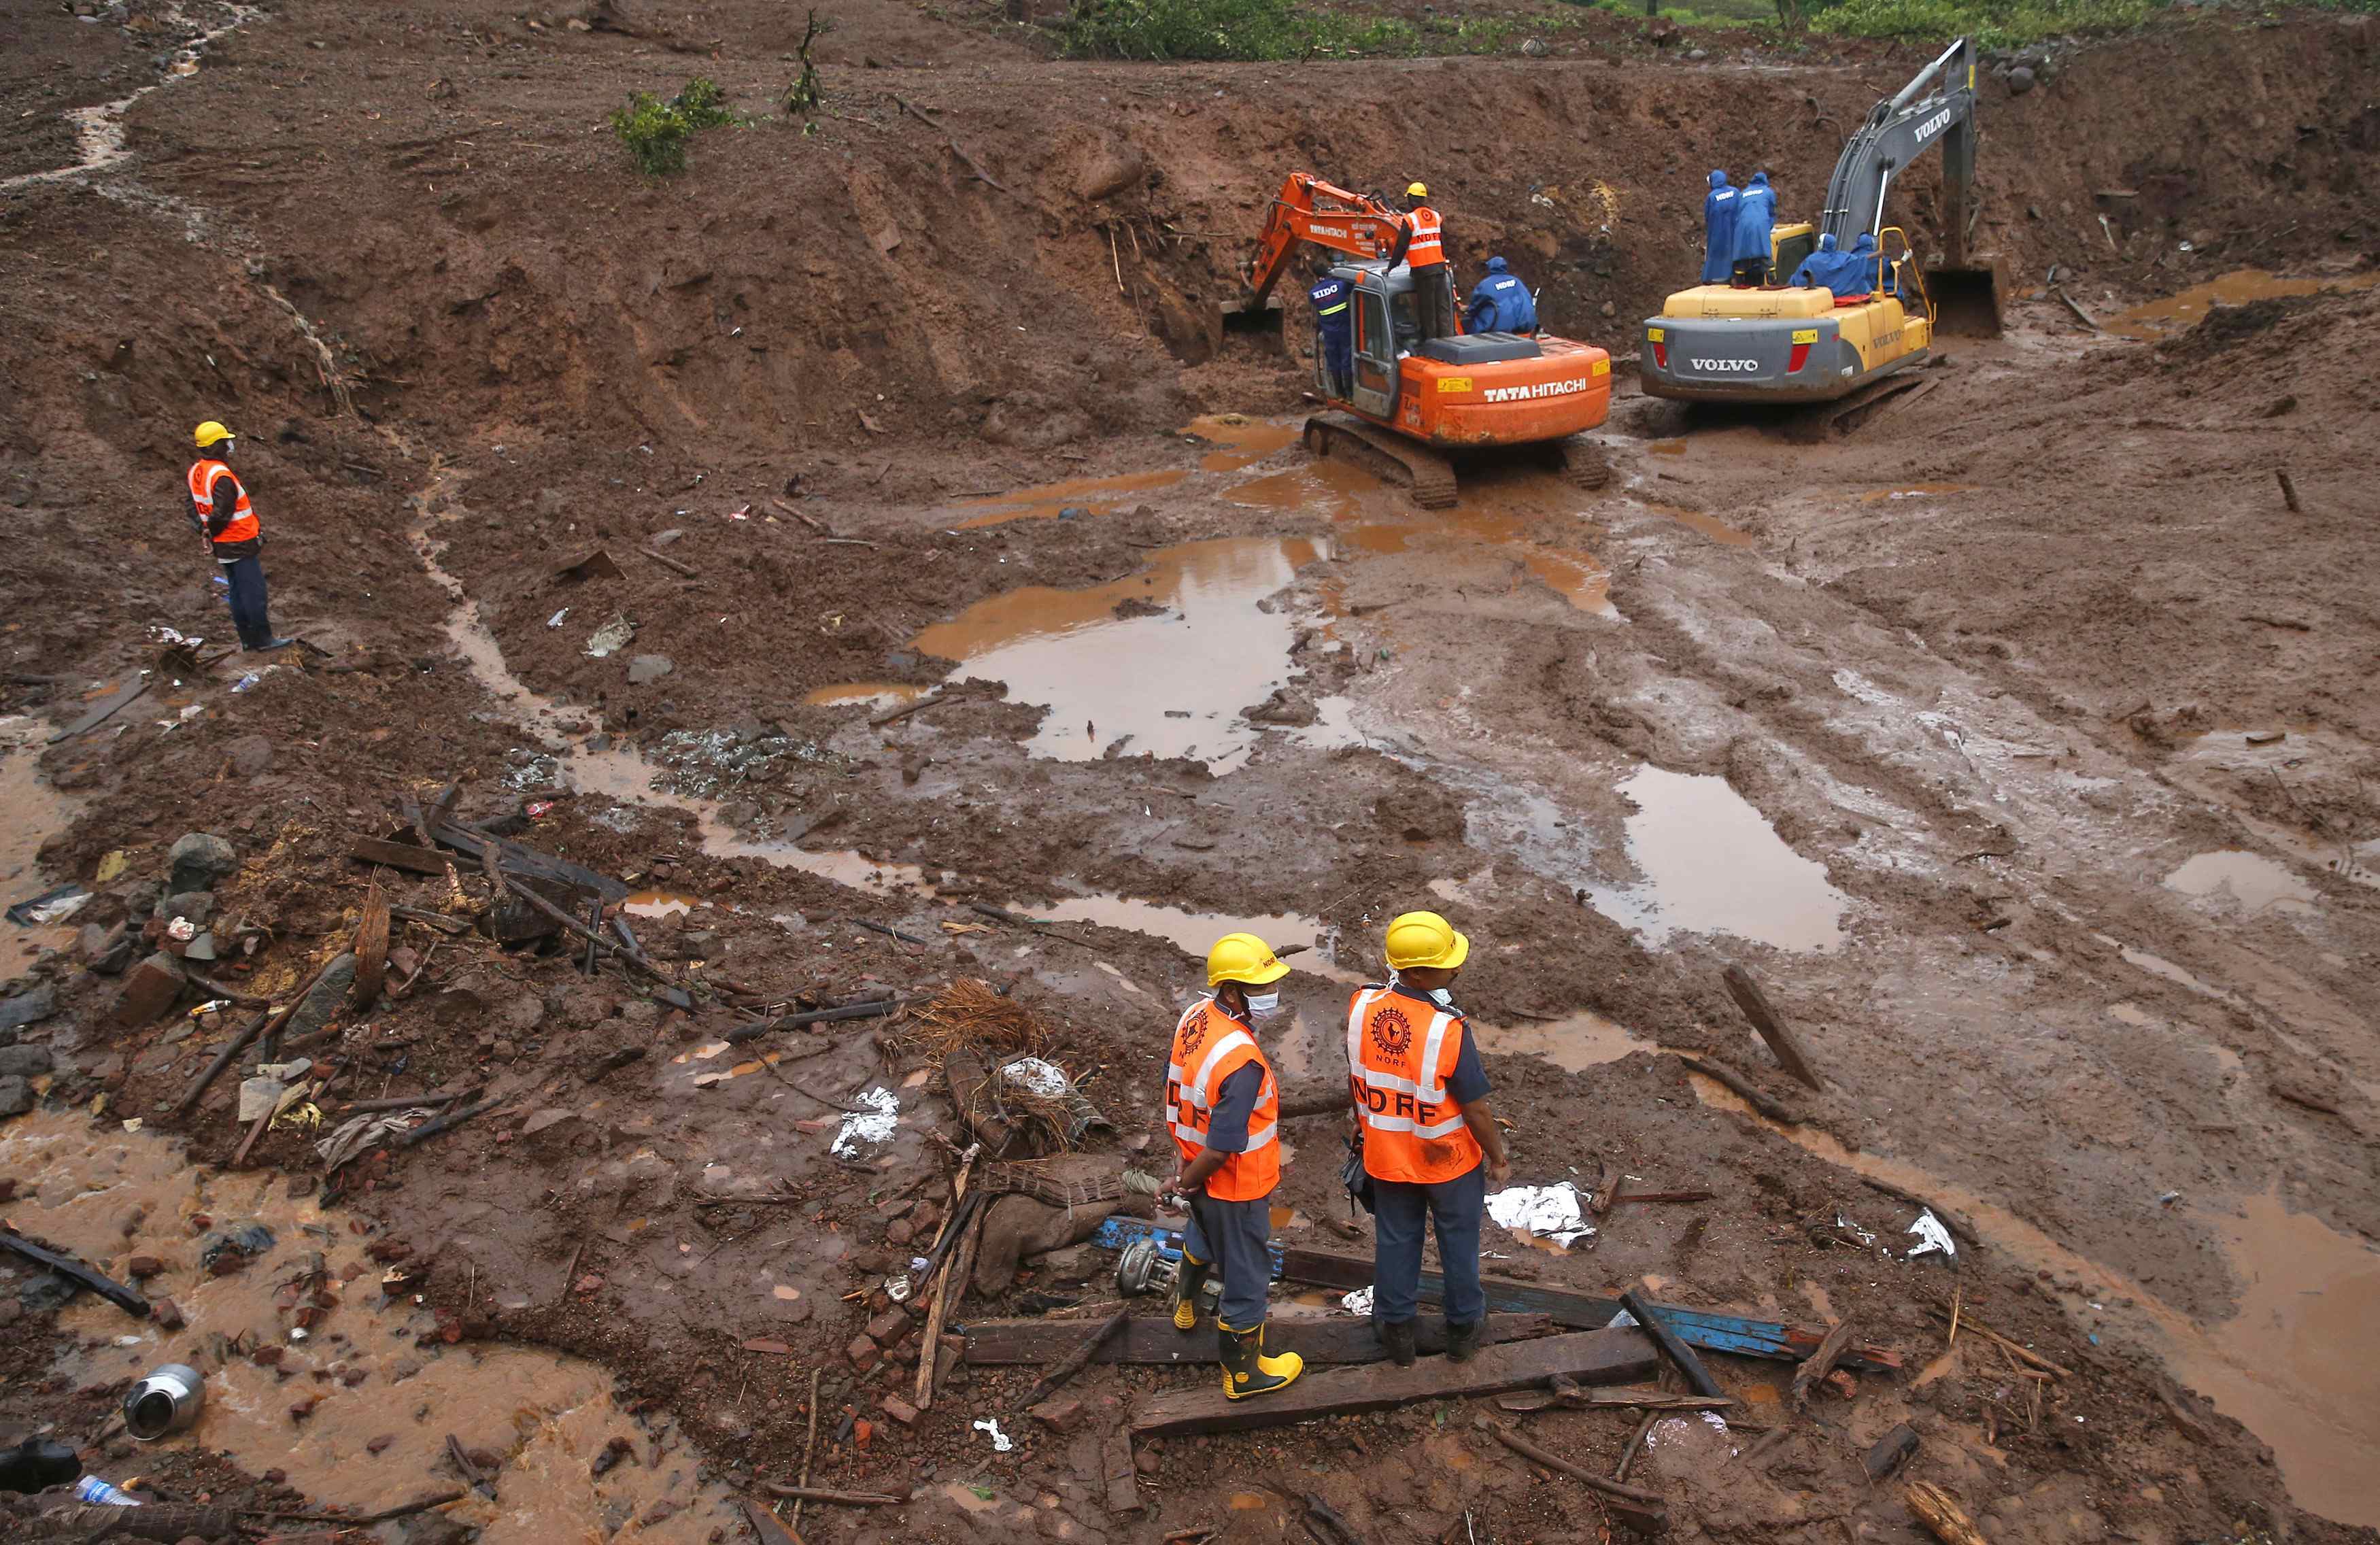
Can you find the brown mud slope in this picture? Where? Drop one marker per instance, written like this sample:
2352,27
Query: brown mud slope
2021,740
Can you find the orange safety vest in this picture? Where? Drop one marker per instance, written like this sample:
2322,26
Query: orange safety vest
1401,1051
1424,250
1208,1047
243,526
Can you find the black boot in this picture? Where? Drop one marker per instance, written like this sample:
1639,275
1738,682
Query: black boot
1398,1337
1247,1370
1187,1283
1463,1342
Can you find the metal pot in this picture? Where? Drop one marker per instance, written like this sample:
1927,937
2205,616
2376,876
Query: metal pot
166,1402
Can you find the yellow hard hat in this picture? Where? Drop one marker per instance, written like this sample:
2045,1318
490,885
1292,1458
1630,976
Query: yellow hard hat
1425,939
1243,957
1416,190
209,432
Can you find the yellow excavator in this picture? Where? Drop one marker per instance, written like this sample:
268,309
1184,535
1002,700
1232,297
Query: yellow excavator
1772,343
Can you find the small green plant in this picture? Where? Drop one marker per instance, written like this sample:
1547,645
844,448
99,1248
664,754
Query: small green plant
807,93
656,132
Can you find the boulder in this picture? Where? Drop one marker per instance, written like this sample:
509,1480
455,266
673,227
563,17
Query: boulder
643,668
323,1000
16,1097
27,1008
24,1062
200,859
147,992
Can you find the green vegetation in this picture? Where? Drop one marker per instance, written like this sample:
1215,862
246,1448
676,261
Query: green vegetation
1992,23
807,95
657,132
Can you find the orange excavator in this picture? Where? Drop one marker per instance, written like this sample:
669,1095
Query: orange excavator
1410,404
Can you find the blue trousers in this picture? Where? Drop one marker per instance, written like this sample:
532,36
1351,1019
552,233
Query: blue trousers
1231,1236
1454,1208
245,579
1339,358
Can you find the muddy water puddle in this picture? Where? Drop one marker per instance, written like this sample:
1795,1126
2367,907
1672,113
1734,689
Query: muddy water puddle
1238,441
1160,661
1914,491
871,694
1710,526
1048,501
1710,863
2295,1363
621,774
380,1389
31,811
2249,881
2185,309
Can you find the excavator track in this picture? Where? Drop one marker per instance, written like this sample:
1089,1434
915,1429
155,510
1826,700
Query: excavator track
1582,461
1385,454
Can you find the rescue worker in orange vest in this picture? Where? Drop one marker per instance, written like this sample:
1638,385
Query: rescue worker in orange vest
1430,1145
1421,247
218,508
1224,1107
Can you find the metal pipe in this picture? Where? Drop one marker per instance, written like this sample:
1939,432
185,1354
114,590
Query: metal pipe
166,1402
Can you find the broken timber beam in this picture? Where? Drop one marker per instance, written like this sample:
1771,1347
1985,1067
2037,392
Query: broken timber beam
1697,1376
1587,1312
77,1272
1151,1341
1589,1356
1771,1025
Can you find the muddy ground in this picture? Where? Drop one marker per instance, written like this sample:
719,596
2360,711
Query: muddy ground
2021,740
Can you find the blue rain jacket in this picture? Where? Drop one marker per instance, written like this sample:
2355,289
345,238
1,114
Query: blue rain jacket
1501,303
1719,229
1860,268
1755,211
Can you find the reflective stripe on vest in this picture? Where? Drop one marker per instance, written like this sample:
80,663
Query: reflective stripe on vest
203,474
1411,1132
1332,311
1424,249
1193,1073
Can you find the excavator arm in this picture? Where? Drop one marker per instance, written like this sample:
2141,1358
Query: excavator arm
1307,208
1938,108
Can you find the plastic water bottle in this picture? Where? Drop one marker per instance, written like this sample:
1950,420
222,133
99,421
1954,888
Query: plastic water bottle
91,1489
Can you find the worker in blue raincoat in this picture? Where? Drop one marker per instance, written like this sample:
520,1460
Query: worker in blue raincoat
1820,269
1859,269
1501,303
1719,229
1334,327
1755,213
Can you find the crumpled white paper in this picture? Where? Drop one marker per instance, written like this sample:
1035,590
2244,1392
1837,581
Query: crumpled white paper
1000,1440
1357,1302
1037,1076
872,1125
1555,1212
1932,1237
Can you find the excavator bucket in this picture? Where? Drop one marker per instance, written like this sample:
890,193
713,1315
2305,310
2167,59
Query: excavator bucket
1967,298
1262,325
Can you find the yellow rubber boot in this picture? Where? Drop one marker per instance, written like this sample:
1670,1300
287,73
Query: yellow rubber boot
1187,1283
1247,1370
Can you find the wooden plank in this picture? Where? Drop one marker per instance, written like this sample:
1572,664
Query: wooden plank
398,855
1771,1025
77,1272
1589,1356
1116,1466
104,709
1587,1312
528,861
1150,1341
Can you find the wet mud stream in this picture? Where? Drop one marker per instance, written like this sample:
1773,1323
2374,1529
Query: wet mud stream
356,1408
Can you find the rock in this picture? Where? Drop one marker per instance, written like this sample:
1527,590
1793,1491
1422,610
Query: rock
1695,54
166,1313
24,1062
1534,48
1112,168
862,1351
544,1121
1058,1415
900,1410
197,907
380,1443
2019,80
200,859
149,992
16,1097
550,501
251,755
27,1008
323,1000
522,1013
1147,1462
1662,30
141,1266
888,1328
663,538
643,668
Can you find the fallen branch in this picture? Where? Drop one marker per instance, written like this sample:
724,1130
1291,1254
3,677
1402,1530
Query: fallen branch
818,1016
961,1216
1587,1478
1973,1326
1820,1363
931,699
1745,1090
2076,307
810,1449
765,1525
76,1272
1937,1511
972,164
845,1498
2289,493
448,1123
1076,1360
265,1025
353,1521
668,563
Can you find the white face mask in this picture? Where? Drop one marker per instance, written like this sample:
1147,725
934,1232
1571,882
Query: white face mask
1264,1005
1442,996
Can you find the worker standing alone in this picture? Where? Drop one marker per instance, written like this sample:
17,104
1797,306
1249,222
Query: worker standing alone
1224,1107
1430,1143
218,508
1501,303
1719,228
1421,247
1334,327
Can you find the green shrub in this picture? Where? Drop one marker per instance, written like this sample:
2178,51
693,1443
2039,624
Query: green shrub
1182,29
657,132
1992,23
